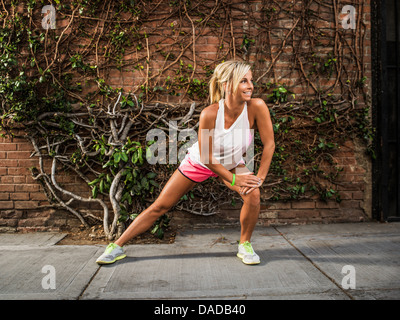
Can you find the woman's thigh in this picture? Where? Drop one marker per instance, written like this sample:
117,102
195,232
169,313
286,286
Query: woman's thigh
175,188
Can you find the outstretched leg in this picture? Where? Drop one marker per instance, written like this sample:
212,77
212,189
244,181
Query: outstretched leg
176,187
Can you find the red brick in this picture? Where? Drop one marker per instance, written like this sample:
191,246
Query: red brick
37,196
327,205
9,223
6,179
346,195
7,187
287,214
32,222
26,163
6,205
25,204
280,205
19,196
307,214
8,163
27,187
18,171
18,154
350,204
8,146
25,147
4,196
19,179
303,204
358,195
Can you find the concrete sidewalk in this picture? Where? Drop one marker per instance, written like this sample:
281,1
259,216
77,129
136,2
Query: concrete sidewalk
297,262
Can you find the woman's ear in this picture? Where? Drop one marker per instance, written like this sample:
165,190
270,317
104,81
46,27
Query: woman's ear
227,91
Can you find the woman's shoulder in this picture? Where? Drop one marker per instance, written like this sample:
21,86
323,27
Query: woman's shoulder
208,115
210,111
256,103
256,108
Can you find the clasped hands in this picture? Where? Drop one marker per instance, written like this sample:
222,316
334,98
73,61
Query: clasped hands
248,186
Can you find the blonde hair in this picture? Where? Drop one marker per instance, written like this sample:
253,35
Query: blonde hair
230,72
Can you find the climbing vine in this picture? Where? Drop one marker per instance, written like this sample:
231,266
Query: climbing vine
87,93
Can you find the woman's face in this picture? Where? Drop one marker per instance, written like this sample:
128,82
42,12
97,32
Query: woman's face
245,88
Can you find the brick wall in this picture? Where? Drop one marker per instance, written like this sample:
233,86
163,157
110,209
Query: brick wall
24,206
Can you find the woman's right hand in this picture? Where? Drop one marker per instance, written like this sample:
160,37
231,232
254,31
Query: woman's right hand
247,180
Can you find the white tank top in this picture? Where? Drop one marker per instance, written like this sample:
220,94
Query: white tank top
229,144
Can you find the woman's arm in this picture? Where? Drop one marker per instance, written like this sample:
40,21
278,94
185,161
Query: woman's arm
265,128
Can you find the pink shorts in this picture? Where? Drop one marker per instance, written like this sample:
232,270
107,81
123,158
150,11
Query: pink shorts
196,172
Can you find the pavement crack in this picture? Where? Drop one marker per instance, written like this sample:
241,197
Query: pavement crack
89,282
316,266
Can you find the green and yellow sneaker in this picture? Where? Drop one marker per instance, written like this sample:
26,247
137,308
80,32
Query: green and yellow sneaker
112,253
247,254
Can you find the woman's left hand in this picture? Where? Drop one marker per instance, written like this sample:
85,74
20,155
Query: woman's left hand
247,190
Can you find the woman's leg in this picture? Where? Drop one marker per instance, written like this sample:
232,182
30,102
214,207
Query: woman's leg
176,187
250,209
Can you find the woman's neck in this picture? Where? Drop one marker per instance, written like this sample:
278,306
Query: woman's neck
233,107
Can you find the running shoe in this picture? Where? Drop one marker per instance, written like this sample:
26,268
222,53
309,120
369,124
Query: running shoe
112,253
247,254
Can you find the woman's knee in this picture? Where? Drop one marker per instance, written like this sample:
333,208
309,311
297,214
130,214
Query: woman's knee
158,209
252,198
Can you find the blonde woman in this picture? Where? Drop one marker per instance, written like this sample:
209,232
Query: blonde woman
232,111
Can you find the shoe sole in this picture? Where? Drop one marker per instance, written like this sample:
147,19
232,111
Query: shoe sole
248,263
109,262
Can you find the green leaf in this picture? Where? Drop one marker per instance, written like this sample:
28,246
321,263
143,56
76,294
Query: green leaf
148,153
151,175
124,157
154,183
135,157
160,233
144,183
94,192
93,182
140,157
155,228
133,216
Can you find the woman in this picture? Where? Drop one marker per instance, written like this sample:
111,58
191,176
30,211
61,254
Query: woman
232,111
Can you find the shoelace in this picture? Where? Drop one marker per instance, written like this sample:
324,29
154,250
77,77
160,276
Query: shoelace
247,246
110,247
